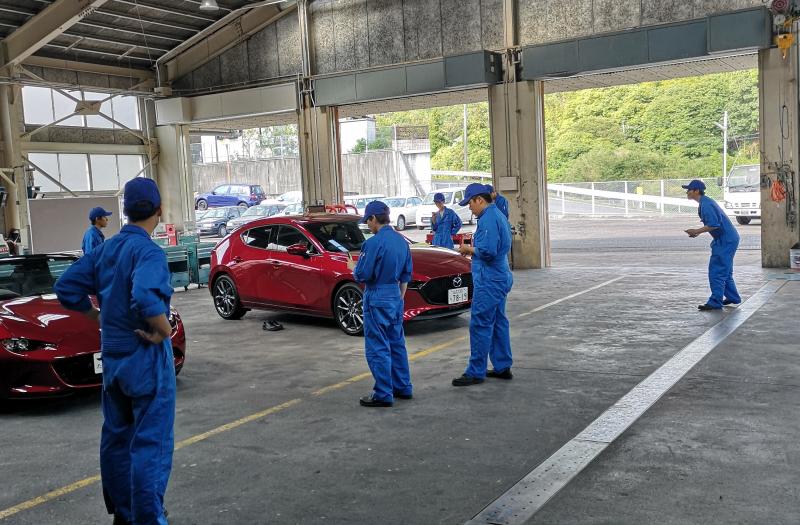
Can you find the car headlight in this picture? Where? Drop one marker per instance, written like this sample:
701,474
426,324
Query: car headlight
173,319
21,345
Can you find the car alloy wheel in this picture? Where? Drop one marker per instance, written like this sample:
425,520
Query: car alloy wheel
348,308
222,232
226,299
401,223
202,205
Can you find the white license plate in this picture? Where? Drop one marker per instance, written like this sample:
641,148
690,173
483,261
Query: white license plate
98,363
457,295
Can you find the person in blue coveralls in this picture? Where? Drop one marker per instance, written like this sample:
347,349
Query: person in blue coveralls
94,235
499,201
384,266
445,223
130,278
723,247
492,280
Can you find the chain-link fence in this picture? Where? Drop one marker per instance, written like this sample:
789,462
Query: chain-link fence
626,198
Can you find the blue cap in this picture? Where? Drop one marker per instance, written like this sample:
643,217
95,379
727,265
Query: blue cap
695,185
473,190
98,212
439,197
142,194
375,208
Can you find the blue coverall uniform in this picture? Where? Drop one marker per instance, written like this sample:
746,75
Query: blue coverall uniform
130,278
502,205
385,262
444,227
492,280
92,239
723,249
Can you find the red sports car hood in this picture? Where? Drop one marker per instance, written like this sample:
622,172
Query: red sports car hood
42,318
430,262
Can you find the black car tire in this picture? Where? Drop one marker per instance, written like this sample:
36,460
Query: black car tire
202,205
401,223
226,299
222,231
243,205
420,227
744,221
348,309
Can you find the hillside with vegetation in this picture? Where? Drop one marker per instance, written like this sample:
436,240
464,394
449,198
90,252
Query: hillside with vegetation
647,131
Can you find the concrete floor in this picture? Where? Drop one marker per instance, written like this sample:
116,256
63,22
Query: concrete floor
718,448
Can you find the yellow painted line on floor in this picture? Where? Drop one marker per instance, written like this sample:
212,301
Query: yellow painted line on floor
55,494
72,487
233,424
567,298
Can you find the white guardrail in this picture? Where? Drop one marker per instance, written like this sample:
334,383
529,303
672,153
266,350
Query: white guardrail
627,203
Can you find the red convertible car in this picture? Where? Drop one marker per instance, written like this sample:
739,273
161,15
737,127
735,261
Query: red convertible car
299,264
46,350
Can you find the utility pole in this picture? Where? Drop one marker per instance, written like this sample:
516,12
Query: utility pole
466,155
724,127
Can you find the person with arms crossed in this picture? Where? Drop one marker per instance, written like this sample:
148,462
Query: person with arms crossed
130,278
445,223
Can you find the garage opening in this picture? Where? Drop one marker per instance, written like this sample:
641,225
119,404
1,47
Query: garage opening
617,158
243,174
404,151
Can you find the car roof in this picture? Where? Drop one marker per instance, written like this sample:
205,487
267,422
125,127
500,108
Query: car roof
304,219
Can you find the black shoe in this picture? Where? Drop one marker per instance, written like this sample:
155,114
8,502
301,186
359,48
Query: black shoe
369,401
403,396
466,380
728,302
505,374
272,326
119,520
707,307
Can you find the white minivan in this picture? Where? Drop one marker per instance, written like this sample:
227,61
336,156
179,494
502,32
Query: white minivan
361,201
452,196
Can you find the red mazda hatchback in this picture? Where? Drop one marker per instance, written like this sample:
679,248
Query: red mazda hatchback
299,264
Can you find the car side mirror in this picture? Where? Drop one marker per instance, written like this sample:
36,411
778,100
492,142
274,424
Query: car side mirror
298,249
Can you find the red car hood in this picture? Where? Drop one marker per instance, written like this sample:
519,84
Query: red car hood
430,262
42,318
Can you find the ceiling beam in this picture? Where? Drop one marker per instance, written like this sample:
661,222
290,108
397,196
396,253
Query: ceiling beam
227,36
52,21
168,10
84,67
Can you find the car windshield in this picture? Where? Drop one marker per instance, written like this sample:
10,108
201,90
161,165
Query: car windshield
744,176
344,236
31,276
257,211
216,213
429,197
395,203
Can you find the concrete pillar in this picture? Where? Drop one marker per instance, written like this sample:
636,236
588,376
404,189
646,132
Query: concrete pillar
516,113
11,127
319,158
779,121
173,173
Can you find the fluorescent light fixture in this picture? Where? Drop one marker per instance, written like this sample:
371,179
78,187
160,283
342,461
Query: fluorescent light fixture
209,5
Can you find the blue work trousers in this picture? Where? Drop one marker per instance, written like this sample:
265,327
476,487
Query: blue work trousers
137,438
385,344
489,335
720,274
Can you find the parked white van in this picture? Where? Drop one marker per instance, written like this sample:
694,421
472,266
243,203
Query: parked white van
361,201
452,196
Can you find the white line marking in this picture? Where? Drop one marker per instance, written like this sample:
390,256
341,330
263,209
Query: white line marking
517,505
567,298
